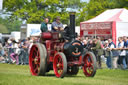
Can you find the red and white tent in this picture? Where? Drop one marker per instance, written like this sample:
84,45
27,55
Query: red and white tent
112,23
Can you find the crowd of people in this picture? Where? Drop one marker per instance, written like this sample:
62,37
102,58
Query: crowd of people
116,55
14,51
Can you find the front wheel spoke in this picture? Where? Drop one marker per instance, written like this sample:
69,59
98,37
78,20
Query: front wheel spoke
37,68
60,71
91,65
37,53
60,65
38,60
88,70
60,60
34,53
33,64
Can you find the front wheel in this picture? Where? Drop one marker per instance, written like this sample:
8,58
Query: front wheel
89,67
60,65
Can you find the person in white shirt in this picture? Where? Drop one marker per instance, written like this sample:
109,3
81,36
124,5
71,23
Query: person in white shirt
14,56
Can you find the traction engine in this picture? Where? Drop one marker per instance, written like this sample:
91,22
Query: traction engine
61,52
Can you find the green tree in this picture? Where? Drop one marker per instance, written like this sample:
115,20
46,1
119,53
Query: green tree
3,29
8,26
34,11
120,3
96,7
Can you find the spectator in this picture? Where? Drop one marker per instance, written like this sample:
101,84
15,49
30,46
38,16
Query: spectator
21,55
87,38
14,56
122,55
78,38
24,51
107,54
6,53
113,53
126,46
26,46
90,45
10,50
84,43
1,49
1,52
98,51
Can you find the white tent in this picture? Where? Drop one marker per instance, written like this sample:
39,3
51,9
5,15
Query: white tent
112,23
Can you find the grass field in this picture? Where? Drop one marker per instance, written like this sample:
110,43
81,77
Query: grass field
20,75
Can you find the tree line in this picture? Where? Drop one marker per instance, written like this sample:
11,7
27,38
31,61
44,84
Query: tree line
34,11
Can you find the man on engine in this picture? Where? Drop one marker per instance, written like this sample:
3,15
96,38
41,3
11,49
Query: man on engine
44,27
57,25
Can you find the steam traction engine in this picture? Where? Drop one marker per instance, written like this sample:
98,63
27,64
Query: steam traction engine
62,53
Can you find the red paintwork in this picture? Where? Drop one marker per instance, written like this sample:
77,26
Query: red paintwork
46,35
52,48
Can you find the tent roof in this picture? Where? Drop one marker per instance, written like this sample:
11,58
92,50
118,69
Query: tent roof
110,16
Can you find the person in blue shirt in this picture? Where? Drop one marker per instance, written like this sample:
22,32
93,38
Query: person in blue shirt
57,25
125,42
126,46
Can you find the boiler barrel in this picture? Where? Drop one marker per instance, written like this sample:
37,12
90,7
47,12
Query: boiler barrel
46,35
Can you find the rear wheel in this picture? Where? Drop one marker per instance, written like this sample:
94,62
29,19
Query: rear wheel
37,59
89,67
60,65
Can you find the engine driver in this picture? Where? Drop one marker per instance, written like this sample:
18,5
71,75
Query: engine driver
57,25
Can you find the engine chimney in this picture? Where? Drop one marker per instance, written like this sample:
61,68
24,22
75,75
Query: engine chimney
72,25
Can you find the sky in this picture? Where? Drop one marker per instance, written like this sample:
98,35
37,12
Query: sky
85,0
